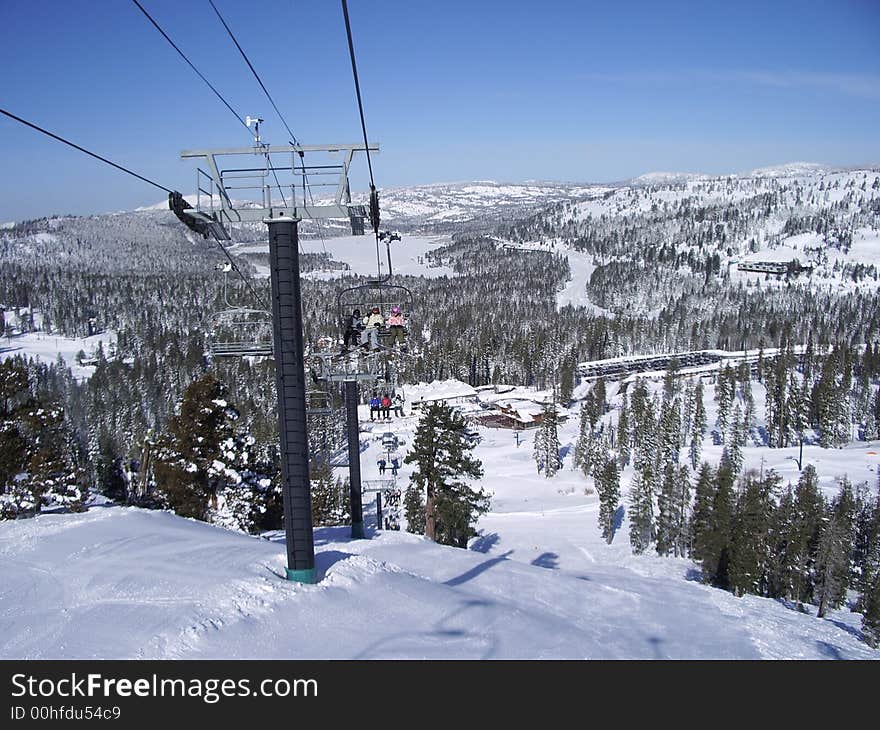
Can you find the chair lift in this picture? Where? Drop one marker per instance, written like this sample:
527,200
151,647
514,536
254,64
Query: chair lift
376,293
318,403
239,331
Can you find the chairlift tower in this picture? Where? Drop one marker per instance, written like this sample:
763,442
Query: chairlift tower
260,196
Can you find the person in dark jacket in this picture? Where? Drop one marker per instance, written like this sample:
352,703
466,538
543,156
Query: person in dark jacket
353,326
381,464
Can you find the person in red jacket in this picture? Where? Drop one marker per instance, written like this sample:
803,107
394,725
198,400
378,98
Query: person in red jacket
386,406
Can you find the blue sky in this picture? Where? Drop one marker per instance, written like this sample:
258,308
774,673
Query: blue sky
460,90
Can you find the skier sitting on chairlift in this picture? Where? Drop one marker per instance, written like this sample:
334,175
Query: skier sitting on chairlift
397,326
375,407
372,323
398,405
353,326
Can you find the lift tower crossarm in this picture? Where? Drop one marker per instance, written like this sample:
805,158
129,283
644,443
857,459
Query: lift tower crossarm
228,180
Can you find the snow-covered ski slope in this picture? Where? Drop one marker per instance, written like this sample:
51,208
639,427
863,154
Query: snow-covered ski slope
538,583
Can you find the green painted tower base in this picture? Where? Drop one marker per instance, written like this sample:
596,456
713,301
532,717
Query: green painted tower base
357,531
301,576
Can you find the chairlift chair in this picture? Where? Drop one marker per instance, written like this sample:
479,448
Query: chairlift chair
240,331
318,403
375,294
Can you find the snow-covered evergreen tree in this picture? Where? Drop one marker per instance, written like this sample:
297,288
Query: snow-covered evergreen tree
642,529
698,426
190,468
547,445
443,462
833,561
715,548
608,489
750,544
701,515
623,433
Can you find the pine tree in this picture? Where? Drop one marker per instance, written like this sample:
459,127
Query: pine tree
715,548
808,514
670,431
186,473
724,392
547,442
327,497
585,436
623,433
833,561
681,510
750,545
608,489
442,459
736,440
639,405
414,509
698,426
687,413
867,547
41,465
783,546
871,613
667,510
641,511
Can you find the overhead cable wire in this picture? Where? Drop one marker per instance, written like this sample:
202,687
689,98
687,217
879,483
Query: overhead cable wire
374,196
357,89
192,66
83,149
127,172
293,139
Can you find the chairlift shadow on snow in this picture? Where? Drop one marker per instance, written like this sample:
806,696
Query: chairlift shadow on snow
403,644
477,570
484,543
547,560
695,575
832,652
851,630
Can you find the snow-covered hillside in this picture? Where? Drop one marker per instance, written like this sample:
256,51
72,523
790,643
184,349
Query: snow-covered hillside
539,582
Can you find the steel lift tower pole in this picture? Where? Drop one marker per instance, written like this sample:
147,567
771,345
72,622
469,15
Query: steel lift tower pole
354,459
290,380
215,209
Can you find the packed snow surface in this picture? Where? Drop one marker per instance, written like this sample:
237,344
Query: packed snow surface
540,582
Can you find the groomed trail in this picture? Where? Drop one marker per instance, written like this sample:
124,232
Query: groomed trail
128,583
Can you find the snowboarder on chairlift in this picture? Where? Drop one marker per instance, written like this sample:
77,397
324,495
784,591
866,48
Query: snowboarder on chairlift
353,326
397,326
372,323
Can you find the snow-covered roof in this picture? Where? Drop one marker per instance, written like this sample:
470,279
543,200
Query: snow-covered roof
439,390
